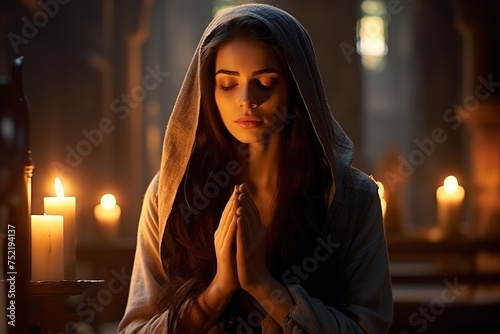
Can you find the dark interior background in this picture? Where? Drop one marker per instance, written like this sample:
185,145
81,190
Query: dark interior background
85,62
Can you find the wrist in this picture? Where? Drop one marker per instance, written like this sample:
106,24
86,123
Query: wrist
215,298
222,288
274,297
263,285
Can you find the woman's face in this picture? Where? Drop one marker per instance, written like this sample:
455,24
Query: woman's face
251,91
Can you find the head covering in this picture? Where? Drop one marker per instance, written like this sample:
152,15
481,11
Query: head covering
300,58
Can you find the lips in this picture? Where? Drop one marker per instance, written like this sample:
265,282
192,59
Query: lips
249,122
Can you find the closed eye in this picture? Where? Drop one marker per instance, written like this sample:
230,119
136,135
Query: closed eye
266,85
226,88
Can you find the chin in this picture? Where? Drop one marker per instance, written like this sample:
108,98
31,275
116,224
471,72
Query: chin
246,136
247,140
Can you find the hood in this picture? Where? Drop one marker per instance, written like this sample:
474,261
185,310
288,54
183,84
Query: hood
300,58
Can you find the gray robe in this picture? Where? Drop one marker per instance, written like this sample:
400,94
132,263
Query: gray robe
342,283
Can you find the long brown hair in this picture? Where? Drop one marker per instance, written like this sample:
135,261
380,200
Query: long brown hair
304,182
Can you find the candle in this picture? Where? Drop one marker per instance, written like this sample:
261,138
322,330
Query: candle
450,197
107,215
383,202
65,206
47,248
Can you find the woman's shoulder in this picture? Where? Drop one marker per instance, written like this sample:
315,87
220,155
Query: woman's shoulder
362,183
355,187
355,200
152,189
150,200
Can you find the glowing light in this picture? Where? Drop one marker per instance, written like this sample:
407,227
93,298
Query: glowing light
107,215
108,201
59,188
381,190
450,199
381,193
66,207
372,7
451,184
7,127
372,34
372,37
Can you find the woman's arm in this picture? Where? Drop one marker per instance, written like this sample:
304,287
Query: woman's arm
213,301
148,276
252,272
366,305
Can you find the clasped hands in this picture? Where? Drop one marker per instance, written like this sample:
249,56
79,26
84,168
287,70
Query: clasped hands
240,245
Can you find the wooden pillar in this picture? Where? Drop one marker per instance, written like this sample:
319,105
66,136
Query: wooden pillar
478,23
135,77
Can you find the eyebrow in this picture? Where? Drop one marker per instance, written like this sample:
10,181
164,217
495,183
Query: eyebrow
235,73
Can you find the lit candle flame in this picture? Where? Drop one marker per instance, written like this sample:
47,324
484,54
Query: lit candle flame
108,201
381,193
59,188
381,190
450,184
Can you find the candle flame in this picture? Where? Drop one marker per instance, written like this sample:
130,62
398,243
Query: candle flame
381,190
450,184
383,205
108,201
59,188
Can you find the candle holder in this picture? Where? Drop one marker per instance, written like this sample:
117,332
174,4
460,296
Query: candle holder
47,299
29,167
15,235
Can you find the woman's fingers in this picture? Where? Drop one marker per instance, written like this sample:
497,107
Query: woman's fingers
229,240
226,218
225,244
247,198
229,224
240,234
229,206
249,210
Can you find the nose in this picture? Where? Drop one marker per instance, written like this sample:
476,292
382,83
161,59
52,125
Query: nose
247,99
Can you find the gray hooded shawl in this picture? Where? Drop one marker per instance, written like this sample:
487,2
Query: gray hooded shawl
360,298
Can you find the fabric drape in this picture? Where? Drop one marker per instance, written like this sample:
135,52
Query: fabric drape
348,293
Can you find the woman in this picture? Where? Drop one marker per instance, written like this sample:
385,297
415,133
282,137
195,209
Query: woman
298,245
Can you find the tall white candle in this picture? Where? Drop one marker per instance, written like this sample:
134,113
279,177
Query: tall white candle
65,206
47,248
450,198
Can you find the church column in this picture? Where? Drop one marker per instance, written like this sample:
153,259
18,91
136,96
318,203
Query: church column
478,24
